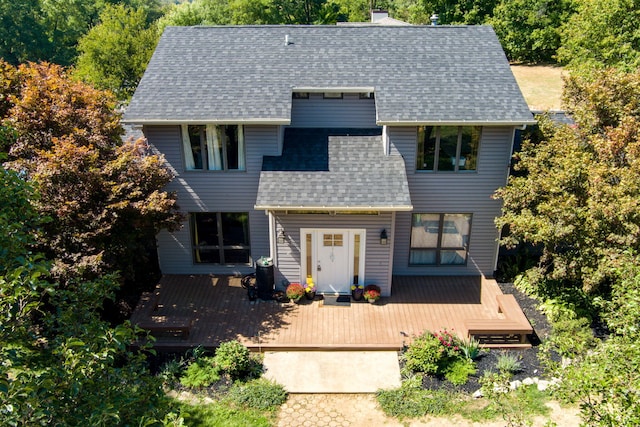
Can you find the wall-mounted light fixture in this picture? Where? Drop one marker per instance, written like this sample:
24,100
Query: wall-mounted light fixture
383,237
282,238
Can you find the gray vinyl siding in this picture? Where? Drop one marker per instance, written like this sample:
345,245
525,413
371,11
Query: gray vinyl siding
213,191
376,255
455,193
348,112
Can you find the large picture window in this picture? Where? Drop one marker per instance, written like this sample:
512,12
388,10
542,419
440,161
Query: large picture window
448,148
439,239
213,147
220,237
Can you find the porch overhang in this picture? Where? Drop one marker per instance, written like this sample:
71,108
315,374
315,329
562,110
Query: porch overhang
333,170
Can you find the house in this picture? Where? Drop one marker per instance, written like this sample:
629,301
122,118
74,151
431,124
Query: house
346,153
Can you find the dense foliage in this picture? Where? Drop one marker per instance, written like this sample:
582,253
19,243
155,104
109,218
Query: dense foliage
605,381
576,193
449,11
575,197
115,53
602,34
61,365
63,134
44,30
529,30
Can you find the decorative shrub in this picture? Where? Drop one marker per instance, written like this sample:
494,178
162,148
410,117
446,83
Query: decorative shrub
449,342
508,363
201,373
372,292
258,394
432,353
470,349
458,371
424,354
171,370
295,291
232,358
571,337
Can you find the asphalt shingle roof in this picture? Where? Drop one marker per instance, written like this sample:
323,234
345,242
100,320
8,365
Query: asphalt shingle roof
334,169
420,74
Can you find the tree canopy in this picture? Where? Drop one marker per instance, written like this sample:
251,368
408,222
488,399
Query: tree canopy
61,364
577,192
64,134
49,30
115,53
605,381
529,30
602,34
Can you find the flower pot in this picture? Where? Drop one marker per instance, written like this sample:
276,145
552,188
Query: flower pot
372,301
356,294
310,295
296,299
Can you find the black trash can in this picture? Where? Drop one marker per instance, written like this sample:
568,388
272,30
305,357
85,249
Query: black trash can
265,281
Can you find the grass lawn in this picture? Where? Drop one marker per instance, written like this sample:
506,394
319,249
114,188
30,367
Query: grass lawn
541,85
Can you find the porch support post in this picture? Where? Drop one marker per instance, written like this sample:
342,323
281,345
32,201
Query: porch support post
273,249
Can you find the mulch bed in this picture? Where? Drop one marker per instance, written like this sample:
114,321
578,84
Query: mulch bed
528,357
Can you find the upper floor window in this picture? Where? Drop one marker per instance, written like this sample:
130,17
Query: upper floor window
448,148
213,147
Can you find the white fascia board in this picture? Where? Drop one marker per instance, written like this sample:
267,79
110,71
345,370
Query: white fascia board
455,123
166,122
403,208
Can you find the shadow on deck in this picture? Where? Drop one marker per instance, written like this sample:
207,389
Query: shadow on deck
211,309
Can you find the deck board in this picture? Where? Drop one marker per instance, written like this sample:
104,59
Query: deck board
221,311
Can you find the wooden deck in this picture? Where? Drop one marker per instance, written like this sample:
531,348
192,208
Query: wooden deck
220,311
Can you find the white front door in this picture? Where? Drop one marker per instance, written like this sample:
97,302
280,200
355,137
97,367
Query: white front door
334,258
332,263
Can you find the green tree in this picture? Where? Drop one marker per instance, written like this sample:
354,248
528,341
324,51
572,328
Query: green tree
198,12
601,34
353,10
576,193
49,30
448,11
61,365
529,30
22,33
68,136
115,53
297,11
250,12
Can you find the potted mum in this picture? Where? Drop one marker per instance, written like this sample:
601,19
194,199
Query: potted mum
310,289
356,292
371,293
295,291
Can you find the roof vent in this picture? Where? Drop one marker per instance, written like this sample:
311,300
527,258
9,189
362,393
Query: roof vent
287,41
434,19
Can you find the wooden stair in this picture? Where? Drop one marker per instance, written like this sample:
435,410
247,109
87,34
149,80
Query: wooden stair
510,329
